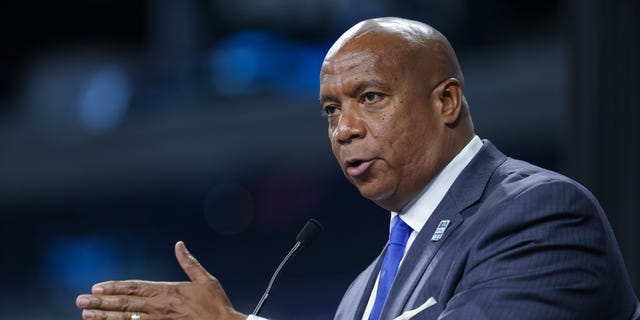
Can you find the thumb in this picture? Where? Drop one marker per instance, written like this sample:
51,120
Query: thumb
190,265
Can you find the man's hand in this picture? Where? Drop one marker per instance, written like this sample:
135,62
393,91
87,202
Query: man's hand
202,298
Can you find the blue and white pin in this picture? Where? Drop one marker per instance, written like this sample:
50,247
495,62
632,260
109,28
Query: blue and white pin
442,227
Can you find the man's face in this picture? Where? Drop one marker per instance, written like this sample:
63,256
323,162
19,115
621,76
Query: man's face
384,122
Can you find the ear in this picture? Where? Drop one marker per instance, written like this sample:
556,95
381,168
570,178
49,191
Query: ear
449,95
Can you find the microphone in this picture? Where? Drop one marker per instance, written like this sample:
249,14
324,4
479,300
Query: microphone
309,232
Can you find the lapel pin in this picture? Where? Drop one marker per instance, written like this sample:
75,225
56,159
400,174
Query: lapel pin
442,226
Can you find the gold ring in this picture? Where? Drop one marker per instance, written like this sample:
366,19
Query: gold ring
135,316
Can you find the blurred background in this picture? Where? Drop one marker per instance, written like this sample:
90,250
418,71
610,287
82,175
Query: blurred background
126,126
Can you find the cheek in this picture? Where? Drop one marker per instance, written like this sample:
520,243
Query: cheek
408,141
331,134
335,149
384,126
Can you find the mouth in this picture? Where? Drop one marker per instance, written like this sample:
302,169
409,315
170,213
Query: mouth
357,167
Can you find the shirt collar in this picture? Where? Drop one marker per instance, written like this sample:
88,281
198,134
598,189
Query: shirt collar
418,212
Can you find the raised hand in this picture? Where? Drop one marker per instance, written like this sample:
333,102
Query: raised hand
201,298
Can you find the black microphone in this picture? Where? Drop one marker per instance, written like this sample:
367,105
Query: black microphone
309,232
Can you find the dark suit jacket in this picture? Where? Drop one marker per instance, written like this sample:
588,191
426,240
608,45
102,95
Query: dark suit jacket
523,243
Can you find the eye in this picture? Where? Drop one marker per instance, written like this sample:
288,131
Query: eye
371,97
329,110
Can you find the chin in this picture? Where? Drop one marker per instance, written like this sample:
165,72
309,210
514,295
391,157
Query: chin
381,195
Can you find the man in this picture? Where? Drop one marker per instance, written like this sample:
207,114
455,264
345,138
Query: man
483,236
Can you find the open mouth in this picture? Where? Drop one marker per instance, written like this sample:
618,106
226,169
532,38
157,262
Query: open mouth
358,167
354,163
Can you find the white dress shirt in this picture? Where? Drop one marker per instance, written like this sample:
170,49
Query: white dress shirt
416,213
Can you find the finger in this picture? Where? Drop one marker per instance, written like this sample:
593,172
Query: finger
127,287
83,300
190,265
111,303
111,315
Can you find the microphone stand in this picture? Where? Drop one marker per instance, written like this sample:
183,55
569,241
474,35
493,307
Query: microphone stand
286,259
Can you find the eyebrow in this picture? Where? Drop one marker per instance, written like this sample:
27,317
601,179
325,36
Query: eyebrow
324,98
362,86
359,88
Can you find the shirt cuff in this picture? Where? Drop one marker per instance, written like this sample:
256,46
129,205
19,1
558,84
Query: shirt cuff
254,317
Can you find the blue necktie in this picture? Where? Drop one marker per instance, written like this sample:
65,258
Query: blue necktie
400,232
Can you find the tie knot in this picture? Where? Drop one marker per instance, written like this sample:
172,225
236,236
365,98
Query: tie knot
400,232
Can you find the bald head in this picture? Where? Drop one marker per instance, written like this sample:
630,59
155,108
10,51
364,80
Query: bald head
416,43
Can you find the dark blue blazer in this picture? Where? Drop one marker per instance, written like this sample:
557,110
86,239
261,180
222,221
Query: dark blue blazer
523,243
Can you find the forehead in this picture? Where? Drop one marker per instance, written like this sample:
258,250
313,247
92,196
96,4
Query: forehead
350,62
360,64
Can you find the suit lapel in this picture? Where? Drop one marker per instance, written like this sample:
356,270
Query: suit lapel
357,296
371,277
419,257
465,191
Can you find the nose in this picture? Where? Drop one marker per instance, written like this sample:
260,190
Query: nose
350,126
